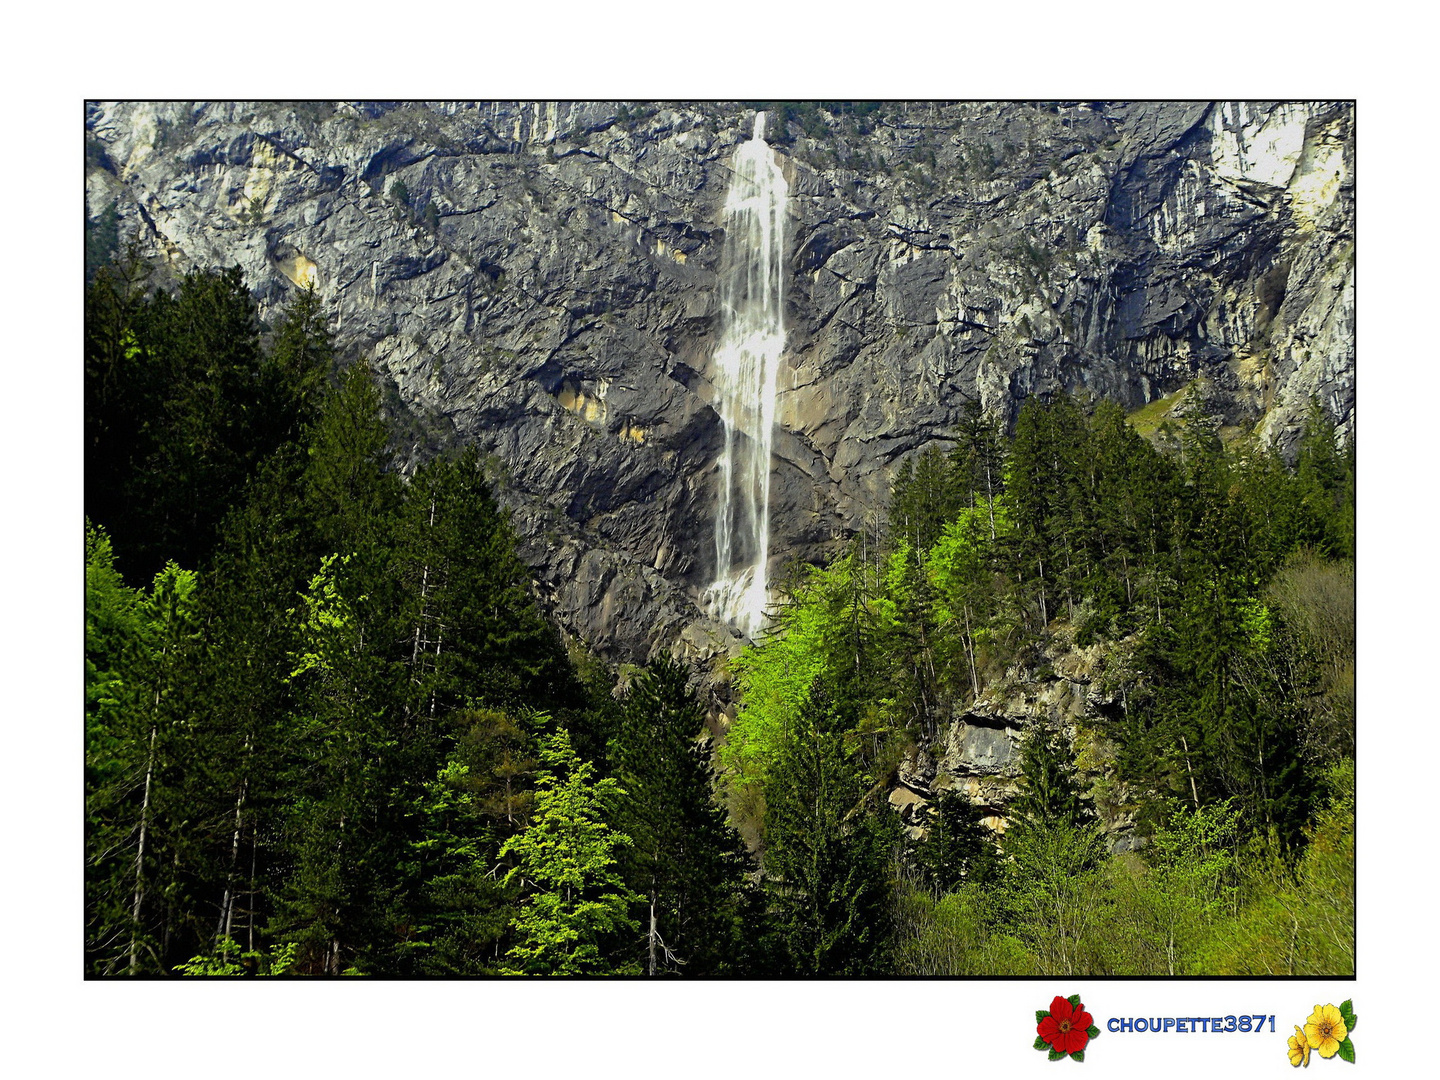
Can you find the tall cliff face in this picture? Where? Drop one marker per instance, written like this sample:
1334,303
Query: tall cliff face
541,279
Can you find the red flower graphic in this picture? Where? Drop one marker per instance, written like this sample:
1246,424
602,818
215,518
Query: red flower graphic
1067,1028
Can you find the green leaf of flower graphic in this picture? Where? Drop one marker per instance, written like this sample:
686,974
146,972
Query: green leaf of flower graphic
1041,1044
1347,1051
1040,1014
1056,1055
1074,1000
1347,1013
1078,1055
1092,1031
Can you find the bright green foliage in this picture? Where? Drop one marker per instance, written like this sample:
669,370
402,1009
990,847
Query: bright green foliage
1188,884
349,793
1315,599
138,646
955,935
774,676
1226,692
229,959
113,635
112,627
1054,897
292,742
967,611
335,772
927,495
461,910
576,901
854,624
1296,922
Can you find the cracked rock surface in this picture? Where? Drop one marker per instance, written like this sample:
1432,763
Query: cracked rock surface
540,279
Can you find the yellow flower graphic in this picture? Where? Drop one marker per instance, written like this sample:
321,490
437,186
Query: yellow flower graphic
1299,1048
1325,1030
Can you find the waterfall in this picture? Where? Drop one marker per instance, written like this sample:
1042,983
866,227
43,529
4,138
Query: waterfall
746,361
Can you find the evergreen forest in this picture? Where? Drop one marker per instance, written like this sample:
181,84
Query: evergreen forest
329,730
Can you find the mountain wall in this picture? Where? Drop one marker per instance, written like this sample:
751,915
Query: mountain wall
540,279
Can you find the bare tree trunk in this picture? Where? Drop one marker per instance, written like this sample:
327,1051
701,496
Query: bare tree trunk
1194,795
970,654
250,921
652,931
139,897
227,903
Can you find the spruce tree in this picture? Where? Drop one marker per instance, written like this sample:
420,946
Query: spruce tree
686,860
957,848
473,633
1050,789
827,861
1033,497
139,694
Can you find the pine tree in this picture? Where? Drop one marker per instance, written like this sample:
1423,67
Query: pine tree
826,860
139,647
957,848
1050,790
686,860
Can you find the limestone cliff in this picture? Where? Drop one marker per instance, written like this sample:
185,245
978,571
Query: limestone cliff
539,278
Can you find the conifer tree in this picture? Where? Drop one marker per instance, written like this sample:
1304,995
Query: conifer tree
928,491
138,701
827,861
1033,496
349,488
1050,790
957,848
981,455
576,901
473,633
686,860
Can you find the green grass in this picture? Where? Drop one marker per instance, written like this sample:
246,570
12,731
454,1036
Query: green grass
1147,419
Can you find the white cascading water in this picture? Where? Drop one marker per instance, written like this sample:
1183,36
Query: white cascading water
747,360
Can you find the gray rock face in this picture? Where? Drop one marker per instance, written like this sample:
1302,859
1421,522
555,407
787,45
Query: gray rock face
978,749
1067,689
539,278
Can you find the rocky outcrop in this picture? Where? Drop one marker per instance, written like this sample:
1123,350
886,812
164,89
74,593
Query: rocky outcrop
539,278
1067,690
